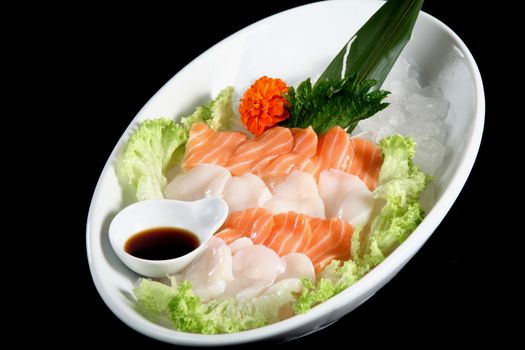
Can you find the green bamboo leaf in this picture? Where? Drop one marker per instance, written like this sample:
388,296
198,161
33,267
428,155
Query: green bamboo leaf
373,50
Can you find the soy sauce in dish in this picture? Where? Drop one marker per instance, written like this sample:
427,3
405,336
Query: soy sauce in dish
161,243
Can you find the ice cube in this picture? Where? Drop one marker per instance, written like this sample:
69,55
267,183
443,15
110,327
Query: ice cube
413,111
432,91
429,154
427,108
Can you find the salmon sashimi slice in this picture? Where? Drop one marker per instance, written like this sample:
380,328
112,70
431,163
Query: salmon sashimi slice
322,240
229,235
254,223
365,161
312,165
253,155
333,153
291,233
304,147
331,239
206,145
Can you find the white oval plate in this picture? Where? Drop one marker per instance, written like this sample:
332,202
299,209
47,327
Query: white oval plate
287,46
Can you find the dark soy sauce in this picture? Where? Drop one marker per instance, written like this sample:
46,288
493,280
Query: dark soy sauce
161,243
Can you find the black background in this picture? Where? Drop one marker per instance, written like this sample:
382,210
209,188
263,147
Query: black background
455,290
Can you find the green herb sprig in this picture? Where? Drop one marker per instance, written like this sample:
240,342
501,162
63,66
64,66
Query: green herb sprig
333,102
349,89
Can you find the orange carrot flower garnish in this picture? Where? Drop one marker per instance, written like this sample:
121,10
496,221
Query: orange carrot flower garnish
263,105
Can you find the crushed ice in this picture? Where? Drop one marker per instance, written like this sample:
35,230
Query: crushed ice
414,111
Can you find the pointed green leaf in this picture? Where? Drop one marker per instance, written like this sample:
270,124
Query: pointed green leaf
373,50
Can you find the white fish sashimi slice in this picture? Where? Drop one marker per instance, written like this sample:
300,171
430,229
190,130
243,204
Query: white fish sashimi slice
297,265
240,243
255,268
202,181
252,271
211,271
245,191
297,193
346,196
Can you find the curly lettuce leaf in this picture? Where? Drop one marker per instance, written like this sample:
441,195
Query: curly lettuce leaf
399,178
201,114
188,313
147,155
400,185
394,224
335,278
153,296
217,113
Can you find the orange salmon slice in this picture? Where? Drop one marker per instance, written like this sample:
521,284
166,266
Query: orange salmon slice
254,223
229,235
291,233
334,150
365,161
357,156
322,240
206,145
253,155
331,239
304,147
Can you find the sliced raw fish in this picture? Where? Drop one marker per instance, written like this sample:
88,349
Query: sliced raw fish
240,243
244,271
357,156
255,268
206,145
304,147
290,233
202,181
297,265
211,271
346,196
253,155
298,193
365,161
334,149
331,239
332,152
254,223
245,191
229,234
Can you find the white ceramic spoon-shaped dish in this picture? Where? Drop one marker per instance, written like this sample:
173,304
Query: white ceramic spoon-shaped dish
202,218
